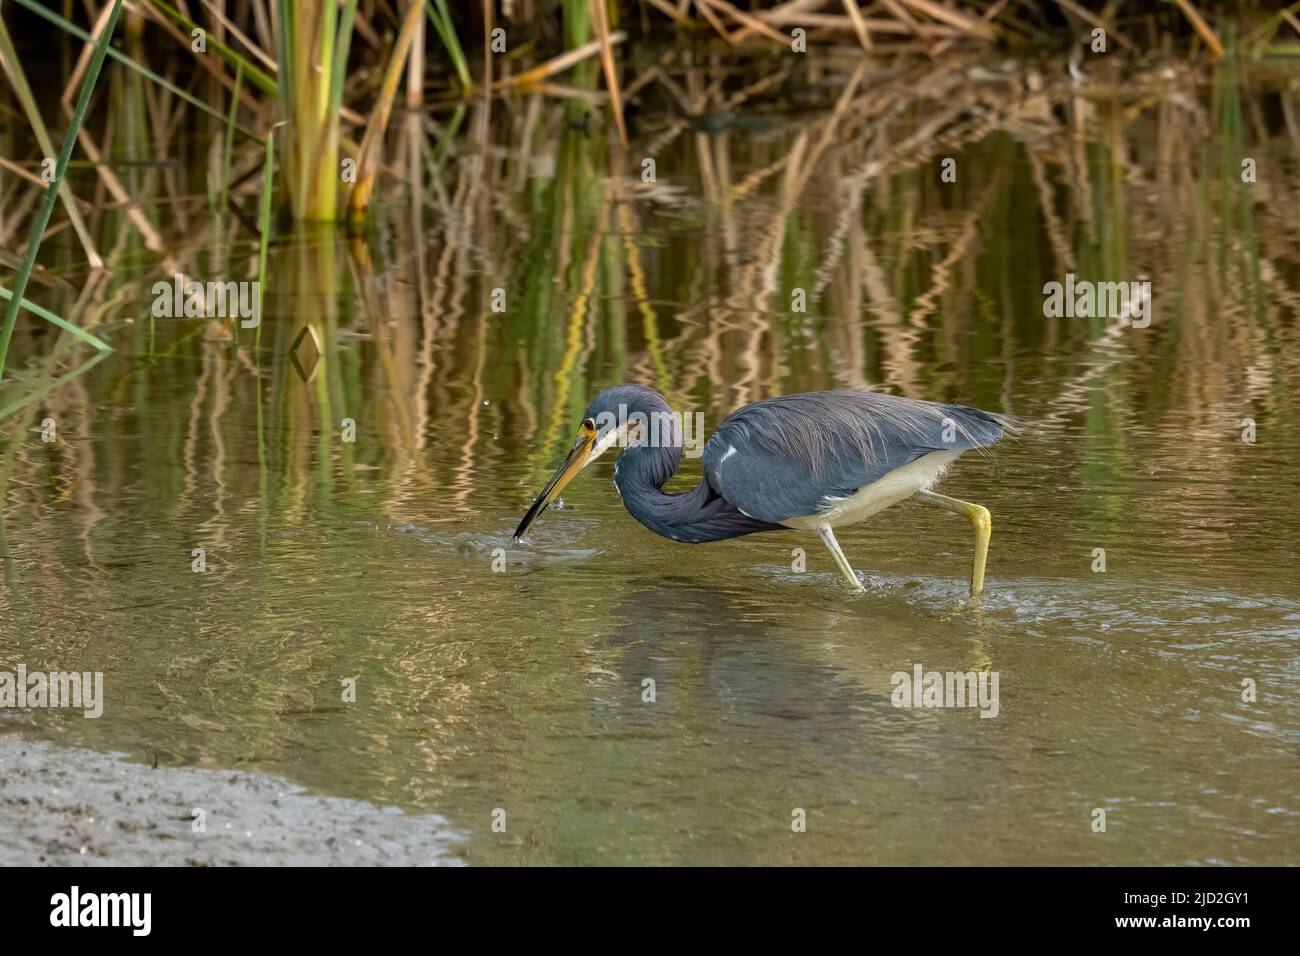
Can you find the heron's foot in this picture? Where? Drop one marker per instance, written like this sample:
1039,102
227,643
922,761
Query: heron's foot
980,521
846,569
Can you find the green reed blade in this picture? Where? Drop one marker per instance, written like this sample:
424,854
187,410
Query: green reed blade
52,191
53,319
441,20
258,77
144,71
230,143
268,176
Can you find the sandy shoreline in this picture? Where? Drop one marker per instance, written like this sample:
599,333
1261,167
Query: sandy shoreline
66,806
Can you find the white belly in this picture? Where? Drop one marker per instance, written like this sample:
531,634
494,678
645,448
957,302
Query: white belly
894,487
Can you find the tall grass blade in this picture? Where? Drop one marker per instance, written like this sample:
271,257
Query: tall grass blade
312,44
50,317
339,74
9,60
601,22
60,168
368,159
441,21
259,78
264,219
122,58
1203,29
229,144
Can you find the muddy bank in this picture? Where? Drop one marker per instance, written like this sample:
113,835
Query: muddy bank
64,806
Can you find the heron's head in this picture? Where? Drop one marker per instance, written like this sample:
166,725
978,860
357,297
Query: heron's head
617,416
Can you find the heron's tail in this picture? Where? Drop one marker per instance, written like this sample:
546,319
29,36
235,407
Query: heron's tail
983,428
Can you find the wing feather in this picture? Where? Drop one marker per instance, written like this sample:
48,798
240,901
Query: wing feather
783,457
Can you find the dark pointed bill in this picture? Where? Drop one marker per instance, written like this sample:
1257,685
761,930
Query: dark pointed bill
563,475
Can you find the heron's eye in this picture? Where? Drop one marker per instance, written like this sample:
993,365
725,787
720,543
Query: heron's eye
588,425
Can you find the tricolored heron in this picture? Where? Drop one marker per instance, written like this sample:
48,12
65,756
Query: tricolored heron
813,462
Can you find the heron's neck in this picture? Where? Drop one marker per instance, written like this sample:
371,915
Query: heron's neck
642,470
694,516
640,474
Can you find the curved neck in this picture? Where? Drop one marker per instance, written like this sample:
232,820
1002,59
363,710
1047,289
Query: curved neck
644,467
694,516
640,473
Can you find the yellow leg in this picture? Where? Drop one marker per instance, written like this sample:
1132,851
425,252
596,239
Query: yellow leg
846,569
980,520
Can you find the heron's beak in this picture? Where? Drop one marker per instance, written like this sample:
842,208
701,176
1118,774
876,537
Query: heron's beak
578,458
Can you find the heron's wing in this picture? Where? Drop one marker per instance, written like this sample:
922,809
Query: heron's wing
782,457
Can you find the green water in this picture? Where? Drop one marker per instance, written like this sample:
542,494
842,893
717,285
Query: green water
493,675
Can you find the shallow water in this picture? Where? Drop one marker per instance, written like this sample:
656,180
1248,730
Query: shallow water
522,688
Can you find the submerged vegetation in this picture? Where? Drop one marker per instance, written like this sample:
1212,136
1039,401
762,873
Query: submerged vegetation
174,147
505,189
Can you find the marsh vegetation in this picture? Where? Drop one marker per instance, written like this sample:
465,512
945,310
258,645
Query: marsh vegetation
499,254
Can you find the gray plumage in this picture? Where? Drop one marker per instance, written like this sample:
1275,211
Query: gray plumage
790,455
794,452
